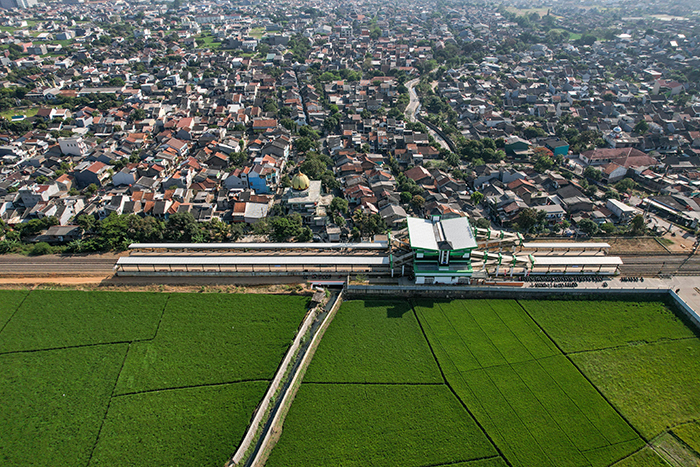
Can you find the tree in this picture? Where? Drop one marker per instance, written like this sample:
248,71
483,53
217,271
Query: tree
183,227
270,106
477,198
111,233
638,224
533,132
330,124
543,163
608,228
315,165
530,218
418,202
625,185
593,173
237,159
588,227
483,223
304,144
305,235
289,124
91,189
40,249
339,205
217,231
145,229
34,226
612,194
368,224
587,39
138,114
284,228
641,127
86,222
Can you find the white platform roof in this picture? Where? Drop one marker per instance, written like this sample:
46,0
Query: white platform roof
261,246
577,261
565,245
443,234
182,260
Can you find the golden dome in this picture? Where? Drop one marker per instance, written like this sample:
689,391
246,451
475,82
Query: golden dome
300,182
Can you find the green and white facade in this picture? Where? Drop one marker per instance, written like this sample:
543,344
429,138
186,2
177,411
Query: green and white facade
441,249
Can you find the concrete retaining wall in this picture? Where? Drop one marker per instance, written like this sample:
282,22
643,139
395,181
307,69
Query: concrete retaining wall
362,291
449,292
691,314
276,427
272,389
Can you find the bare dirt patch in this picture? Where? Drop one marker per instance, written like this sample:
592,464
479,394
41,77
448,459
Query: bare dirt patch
619,245
160,284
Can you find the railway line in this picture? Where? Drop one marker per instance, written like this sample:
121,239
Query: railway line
13,265
653,265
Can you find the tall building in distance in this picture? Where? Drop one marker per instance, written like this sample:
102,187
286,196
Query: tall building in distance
21,4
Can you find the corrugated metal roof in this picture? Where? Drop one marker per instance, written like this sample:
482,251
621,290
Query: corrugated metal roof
563,245
251,260
458,233
420,232
446,234
261,246
577,261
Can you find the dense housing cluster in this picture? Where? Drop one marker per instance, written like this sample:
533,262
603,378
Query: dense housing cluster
136,121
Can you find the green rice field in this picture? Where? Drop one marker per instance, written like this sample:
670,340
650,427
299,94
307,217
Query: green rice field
135,379
530,383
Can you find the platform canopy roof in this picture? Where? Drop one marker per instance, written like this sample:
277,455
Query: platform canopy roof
261,246
214,260
578,261
566,245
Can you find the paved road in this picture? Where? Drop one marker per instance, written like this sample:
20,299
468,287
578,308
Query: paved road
413,107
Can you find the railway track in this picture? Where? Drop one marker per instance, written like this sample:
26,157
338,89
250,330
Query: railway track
651,265
12,265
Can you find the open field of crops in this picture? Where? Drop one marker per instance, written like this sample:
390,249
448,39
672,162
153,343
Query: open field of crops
560,383
207,422
135,379
374,396
373,342
646,457
689,434
639,355
9,302
201,341
530,399
595,325
375,424
656,386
